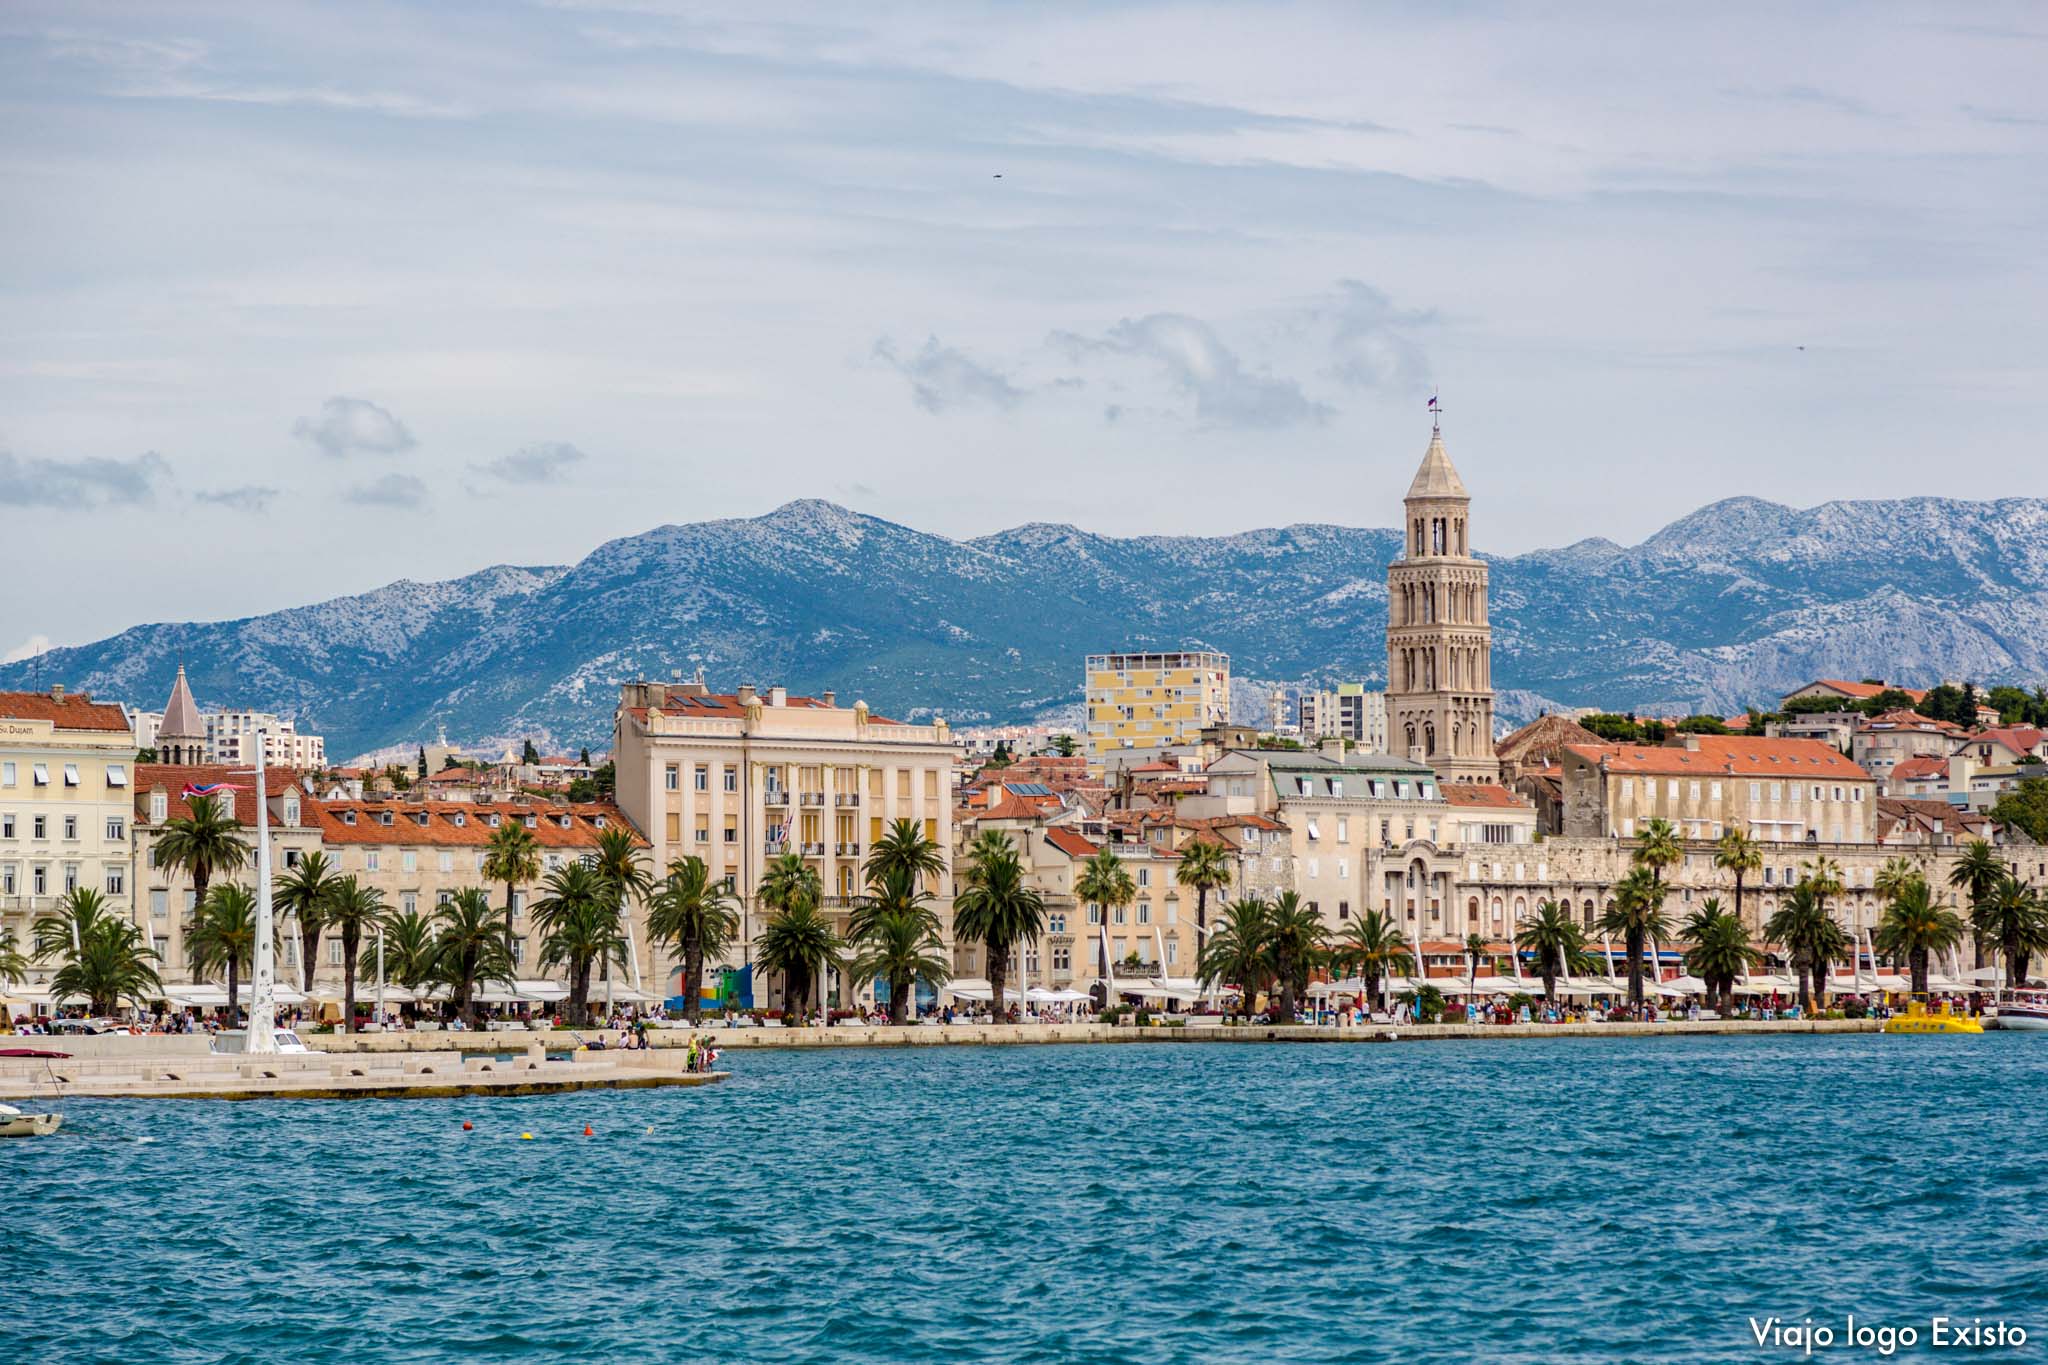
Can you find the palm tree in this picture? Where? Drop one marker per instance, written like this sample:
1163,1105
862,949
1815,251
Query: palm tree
1657,847
998,908
1720,951
698,918
352,910
1738,853
303,893
1556,942
1914,926
62,929
1294,941
511,856
1104,883
110,963
1371,945
13,963
1205,864
578,920
798,942
788,883
1236,950
904,849
2012,916
202,843
221,935
897,934
472,945
1637,914
618,861
1475,949
409,949
1803,925
1975,873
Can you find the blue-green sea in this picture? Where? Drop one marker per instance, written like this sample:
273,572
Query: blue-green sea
1555,1200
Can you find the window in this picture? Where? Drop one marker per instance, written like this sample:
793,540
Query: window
1315,830
1313,867
117,880
159,903
1343,830
409,903
6,827
1144,912
1117,915
1056,922
39,880
42,774
117,828
6,774
1095,914
672,777
409,861
334,952
447,862
39,826
71,827
1062,959
70,878
1144,876
371,861
732,778
117,774
70,774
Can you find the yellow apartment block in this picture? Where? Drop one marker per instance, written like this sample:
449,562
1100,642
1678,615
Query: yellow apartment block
1139,702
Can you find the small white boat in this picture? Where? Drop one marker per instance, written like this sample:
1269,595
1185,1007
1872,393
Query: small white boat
14,1123
2022,1013
236,1041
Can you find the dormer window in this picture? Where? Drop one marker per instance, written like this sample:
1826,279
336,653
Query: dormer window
598,820
384,817
458,820
421,818
531,822
563,821
493,820
291,810
348,817
159,807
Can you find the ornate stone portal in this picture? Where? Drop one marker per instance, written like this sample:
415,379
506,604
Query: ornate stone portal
1439,645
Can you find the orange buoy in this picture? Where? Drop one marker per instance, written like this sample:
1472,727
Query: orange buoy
587,1132
467,1125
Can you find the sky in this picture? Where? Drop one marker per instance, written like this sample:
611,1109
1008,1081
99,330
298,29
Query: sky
303,299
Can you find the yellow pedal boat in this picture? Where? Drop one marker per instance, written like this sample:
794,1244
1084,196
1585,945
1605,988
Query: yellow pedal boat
1916,1019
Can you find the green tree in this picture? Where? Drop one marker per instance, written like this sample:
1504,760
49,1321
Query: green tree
1371,945
1719,950
1236,951
999,759
511,856
109,963
1105,884
1657,847
896,934
904,848
352,911
1636,915
420,768
1556,942
201,844
1000,909
578,920
2025,807
472,945
303,893
1294,942
1206,865
800,943
1975,873
1475,952
409,950
529,755
1064,746
1806,929
1914,927
221,936
699,918
2012,916
790,884
13,963
1739,855
620,863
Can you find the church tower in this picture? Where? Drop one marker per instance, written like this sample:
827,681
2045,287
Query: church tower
1439,645
181,737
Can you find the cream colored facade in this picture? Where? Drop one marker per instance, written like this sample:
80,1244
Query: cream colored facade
740,778
66,765
1779,790
1148,701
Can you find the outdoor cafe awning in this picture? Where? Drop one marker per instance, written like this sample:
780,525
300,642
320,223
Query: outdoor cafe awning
522,991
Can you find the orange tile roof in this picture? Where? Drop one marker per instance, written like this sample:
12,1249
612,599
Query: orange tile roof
1921,768
73,711
1729,755
1070,842
2021,739
1482,794
1863,691
726,706
172,777
440,827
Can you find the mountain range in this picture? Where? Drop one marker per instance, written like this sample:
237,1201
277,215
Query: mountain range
1733,604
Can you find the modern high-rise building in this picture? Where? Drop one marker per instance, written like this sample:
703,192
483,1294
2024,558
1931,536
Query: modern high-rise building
183,734
1151,701
1352,711
1439,644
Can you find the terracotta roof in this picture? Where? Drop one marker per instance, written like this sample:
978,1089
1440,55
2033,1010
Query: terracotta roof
1070,842
465,824
1910,720
172,777
1920,768
2021,739
1729,755
1543,736
73,711
727,706
1863,691
1482,794
1011,808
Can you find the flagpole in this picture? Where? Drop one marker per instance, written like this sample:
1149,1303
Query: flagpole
263,979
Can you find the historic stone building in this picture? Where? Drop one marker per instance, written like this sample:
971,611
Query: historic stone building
1439,645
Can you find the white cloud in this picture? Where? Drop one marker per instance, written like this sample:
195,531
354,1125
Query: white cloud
1197,363
348,425
248,498
393,490
27,649
536,462
946,379
93,482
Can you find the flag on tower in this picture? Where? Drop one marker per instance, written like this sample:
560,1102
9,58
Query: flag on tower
1432,402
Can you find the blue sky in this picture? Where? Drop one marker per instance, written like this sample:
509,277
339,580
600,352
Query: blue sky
302,299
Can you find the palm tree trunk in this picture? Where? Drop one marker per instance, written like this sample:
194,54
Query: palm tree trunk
234,977
1801,970
1919,961
1635,968
1549,982
693,980
349,948
309,951
579,994
998,964
899,1003
1738,895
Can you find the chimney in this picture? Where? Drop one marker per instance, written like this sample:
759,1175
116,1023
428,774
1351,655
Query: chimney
778,696
657,694
1331,748
830,698
992,795
745,696
1692,743
56,691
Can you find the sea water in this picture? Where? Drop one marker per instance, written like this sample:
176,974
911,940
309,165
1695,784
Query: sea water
1553,1200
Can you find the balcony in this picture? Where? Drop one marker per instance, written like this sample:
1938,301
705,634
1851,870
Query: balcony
812,798
846,799
775,797
774,848
846,850
814,850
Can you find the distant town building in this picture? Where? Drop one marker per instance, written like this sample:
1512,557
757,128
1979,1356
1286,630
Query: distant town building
1146,701
182,733
1844,690
1351,711
1778,790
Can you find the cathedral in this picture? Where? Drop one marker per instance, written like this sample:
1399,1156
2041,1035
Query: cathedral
1439,645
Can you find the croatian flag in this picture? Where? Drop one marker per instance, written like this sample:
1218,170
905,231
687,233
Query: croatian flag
1432,402
207,788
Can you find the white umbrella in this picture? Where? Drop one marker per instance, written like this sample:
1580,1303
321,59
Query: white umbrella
1688,985
1765,985
1588,985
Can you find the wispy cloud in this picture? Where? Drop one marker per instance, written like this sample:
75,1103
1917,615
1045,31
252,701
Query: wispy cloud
537,462
946,379
1196,362
27,649
248,498
93,482
393,490
1372,340
348,425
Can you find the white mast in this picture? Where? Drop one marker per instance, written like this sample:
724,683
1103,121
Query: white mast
263,979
